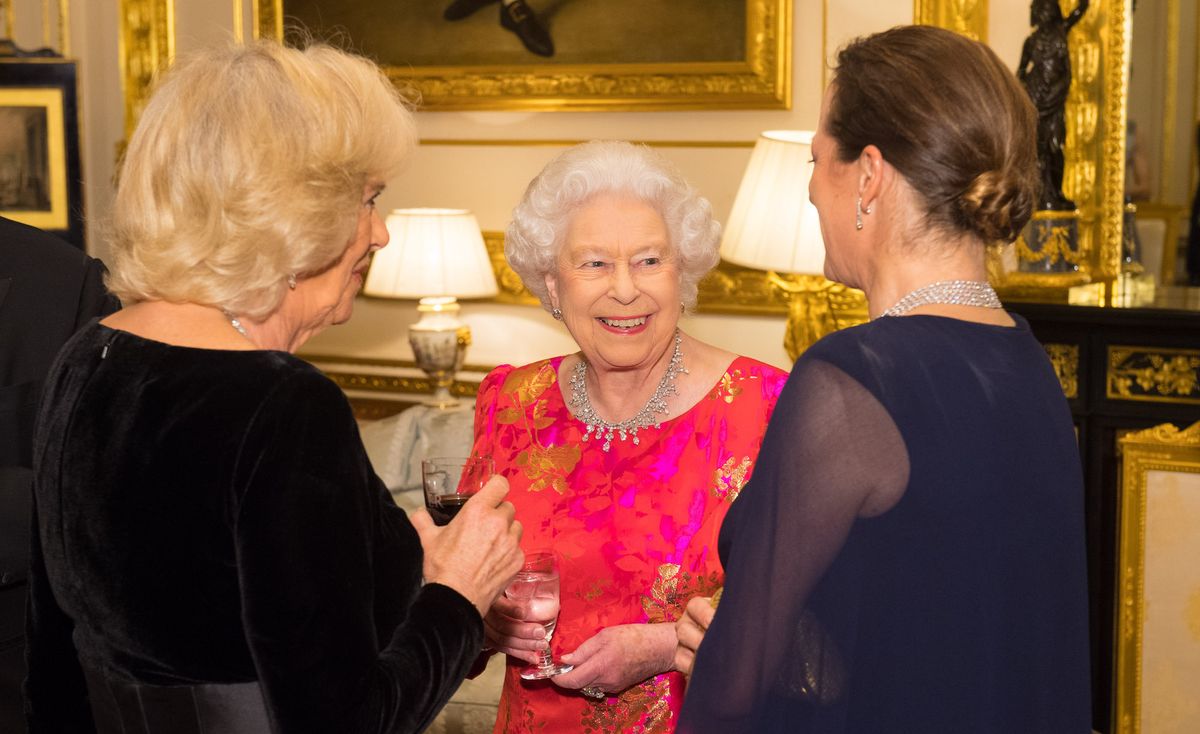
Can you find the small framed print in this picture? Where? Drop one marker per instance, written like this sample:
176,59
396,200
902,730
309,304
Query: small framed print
40,180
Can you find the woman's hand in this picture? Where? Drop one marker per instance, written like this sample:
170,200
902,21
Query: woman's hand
618,657
689,632
507,633
478,552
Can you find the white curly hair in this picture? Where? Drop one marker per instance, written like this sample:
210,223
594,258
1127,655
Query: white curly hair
539,225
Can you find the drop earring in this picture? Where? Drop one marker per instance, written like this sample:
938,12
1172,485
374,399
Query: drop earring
291,281
858,224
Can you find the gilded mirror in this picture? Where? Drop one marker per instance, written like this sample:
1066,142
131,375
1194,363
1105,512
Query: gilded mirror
1162,132
1094,152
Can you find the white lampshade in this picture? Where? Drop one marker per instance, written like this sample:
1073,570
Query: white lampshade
773,226
433,252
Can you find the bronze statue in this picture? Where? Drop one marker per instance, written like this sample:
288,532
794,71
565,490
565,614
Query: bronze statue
1045,70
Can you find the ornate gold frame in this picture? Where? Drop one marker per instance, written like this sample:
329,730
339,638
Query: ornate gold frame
763,80
968,17
1095,154
1166,448
1153,374
146,46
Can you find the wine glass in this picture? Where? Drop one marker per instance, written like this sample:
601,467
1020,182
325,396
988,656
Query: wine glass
536,588
450,481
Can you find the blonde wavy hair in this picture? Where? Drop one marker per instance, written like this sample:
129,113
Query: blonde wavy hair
248,165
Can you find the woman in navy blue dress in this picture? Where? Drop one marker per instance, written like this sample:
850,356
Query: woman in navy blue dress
909,555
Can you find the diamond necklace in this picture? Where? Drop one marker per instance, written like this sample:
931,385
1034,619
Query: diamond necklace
647,416
235,323
950,292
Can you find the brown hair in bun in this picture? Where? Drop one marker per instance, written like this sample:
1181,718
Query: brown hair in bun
948,115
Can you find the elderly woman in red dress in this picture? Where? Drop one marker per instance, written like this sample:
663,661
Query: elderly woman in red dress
623,457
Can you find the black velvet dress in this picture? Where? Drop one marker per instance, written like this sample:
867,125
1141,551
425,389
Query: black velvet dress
961,606
207,516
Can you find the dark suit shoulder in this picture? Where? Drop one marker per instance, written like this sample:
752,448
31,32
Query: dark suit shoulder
23,247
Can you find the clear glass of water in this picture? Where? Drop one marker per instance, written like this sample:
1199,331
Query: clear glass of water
535,587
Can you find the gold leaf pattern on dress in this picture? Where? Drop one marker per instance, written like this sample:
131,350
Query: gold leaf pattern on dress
671,590
528,383
642,709
547,468
539,418
730,386
666,516
730,477
508,416
595,591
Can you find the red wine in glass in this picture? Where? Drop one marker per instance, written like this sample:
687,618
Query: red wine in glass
450,481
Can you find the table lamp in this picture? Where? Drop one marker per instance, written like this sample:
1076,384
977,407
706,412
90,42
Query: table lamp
438,256
774,227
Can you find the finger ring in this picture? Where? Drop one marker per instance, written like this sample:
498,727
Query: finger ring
593,692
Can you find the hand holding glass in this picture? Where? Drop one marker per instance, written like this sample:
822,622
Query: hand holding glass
450,481
535,587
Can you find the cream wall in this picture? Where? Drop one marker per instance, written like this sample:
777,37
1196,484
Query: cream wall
506,149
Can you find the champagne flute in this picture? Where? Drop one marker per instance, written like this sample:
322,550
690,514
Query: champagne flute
450,481
536,588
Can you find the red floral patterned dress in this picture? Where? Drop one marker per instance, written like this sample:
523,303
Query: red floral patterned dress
635,528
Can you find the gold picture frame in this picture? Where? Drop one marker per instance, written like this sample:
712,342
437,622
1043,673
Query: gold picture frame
968,17
145,47
40,162
1158,584
760,80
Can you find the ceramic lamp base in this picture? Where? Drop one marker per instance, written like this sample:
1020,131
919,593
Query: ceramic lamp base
439,342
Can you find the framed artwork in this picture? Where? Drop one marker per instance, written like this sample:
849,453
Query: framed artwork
40,181
1158,611
562,54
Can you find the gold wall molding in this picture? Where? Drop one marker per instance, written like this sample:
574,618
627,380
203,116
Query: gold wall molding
1065,360
518,143
377,388
763,80
512,290
145,47
10,17
1149,374
1170,99
968,17
1109,31
335,362
727,289
395,383
1161,448
61,18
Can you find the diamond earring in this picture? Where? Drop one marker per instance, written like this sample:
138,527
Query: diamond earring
557,314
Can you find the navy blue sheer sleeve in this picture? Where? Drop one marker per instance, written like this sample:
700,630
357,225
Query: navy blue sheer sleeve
909,554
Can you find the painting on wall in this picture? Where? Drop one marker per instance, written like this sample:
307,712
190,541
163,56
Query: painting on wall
40,181
562,54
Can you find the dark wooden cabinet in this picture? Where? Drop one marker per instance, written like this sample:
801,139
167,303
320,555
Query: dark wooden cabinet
1122,369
